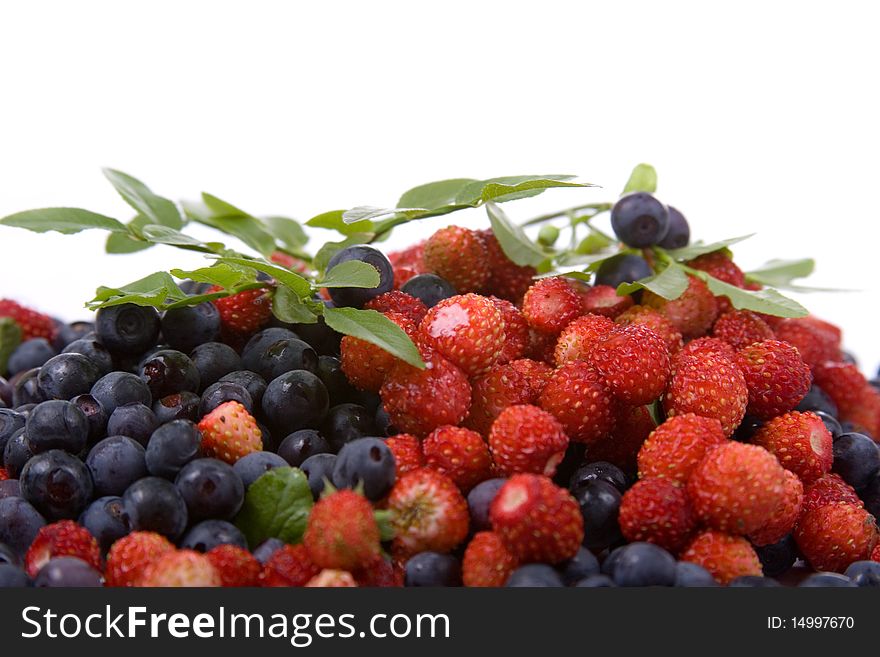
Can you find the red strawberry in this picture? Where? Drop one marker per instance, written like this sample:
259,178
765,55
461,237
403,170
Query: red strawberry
708,386
407,452
622,445
366,364
130,556
833,536
800,441
500,387
525,438
506,279
693,313
675,447
230,432
342,533
740,328
486,562
657,511
550,304
459,255
332,579
236,566
786,515
32,323
775,375
536,520
655,321
537,372
579,337
181,569
736,488
412,258
245,312
575,394
719,265
634,362
827,489
856,400
460,454
382,573
726,557
289,261
290,565
401,303
814,344
428,512
604,300
875,553
708,347
64,538
516,331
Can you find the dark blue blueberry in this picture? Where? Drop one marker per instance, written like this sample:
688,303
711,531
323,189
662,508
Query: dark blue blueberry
57,484
171,447
155,505
264,551
26,388
293,401
8,556
186,328
345,423
68,333
600,505
5,392
691,575
479,500
182,406
777,558
30,354
106,520
865,574
572,459
254,465
208,534
827,580
115,464
848,357
432,569
534,575
318,468
25,409
260,342
126,328
210,488
622,269
96,353
334,379
10,488
214,360
581,565
817,399
250,381
19,524
596,582
13,577
167,372
57,424
678,234
856,459
222,392
753,582
16,453
66,376
302,444
120,388
383,423
194,288
871,496
366,462
601,470
429,288
830,423
747,429
62,572
10,422
609,561
286,356
323,339
639,220
644,564
95,416
133,420
355,297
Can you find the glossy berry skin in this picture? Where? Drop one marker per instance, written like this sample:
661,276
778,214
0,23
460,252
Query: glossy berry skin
864,574
67,375
16,454
678,233
345,423
19,524
726,557
775,375
777,558
210,534
460,454
289,565
827,580
222,392
10,422
577,396
64,572
318,468
603,300
430,289
366,462
115,463
550,304
25,390
500,387
13,577
534,575
581,565
214,360
342,532
644,564
260,342
285,356
487,562
181,568
133,420
356,297
578,338
600,506
654,320
833,536
602,471
57,424
210,488
251,467
172,446
856,459
57,484
479,501
96,353
639,220
250,381
432,569
32,323
119,388
801,442
155,505
622,269
691,575
634,362
459,255
126,328
302,444
243,313
167,372
657,511
106,520
525,438
828,489
295,400
186,328
96,418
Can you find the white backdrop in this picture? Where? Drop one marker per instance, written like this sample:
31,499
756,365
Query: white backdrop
759,117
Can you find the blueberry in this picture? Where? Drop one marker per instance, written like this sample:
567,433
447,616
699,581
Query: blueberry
871,496
581,565
155,505
596,582
296,400
96,418
254,465
24,409
13,577
19,524
106,520
16,453
830,423
366,462
68,333
264,551
856,459
259,342
826,580
601,470
57,484
622,269
133,420
10,422
777,558
5,392
193,288
66,376
429,288
186,328
610,560
167,372
356,297
67,572
678,232
323,339
817,399
30,354
224,391
57,424
384,425
214,360
318,468
479,500
115,463
94,351
210,488
26,388
572,459
345,423
126,328
534,575
208,534
864,573
120,388
753,582
286,356
330,372
172,446
644,564
600,504
302,444
250,381
691,575
181,406
747,428
432,569
639,220
8,556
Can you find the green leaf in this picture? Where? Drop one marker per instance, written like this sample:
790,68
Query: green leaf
286,231
153,290
131,242
226,276
221,208
384,522
779,273
289,308
333,220
10,338
299,285
513,239
507,188
669,283
326,252
696,250
642,179
593,243
434,195
375,328
63,220
767,301
157,209
372,213
227,218
164,235
277,505
351,273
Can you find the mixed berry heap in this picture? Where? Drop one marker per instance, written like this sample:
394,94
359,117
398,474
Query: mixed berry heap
478,409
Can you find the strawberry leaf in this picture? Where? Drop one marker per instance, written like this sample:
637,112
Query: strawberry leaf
767,301
514,241
351,273
375,328
435,195
642,179
333,220
62,220
156,209
277,505
297,284
289,308
224,275
157,290
669,283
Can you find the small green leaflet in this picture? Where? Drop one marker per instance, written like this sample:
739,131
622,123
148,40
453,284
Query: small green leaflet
782,273
376,329
63,220
224,275
157,209
351,273
326,252
593,243
514,241
332,220
164,235
154,290
130,242
371,214
287,231
698,249
299,285
669,283
289,308
435,194
227,218
10,338
642,179
277,505
767,301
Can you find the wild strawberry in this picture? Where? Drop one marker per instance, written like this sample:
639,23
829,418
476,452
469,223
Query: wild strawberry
486,562
525,438
412,257
576,396
332,579
536,520
708,347
129,557
289,261
290,565
736,488
419,401
693,313
466,329
516,331
814,344
64,538
866,417
775,375
828,489
786,514
708,386
604,300
856,400
341,532
718,264
230,432
500,387
537,372
236,566
460,454
407,452
875,553
181,569
655,321
550,304
32,323
726,557
458,255
657,511
634,362
675,447
366,364
506,279
245,312
740,328
622,445
579,337
428,512
833,536
382,573
401,303
800,441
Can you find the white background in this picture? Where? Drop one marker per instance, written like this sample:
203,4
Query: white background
762,116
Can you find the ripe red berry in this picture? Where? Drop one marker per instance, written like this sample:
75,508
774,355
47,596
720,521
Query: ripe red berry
814,344
776,377
708,386
675,447
575,394
64,538
726,557
827,489
332,579
407,452
500,387
342,532
289,565
236,566
740,328
365,364
719,265
525,438
537,372
516,331
833,536
245,312
693,313
856,400
506,279
655,321
657,511
33,324
708,347
459,255
486,562
181,569
579,337
229,432
460,454
786,514
401,303
634,362
550,304
604,300
129,557
800,441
